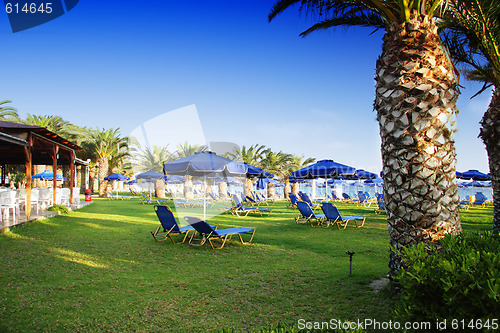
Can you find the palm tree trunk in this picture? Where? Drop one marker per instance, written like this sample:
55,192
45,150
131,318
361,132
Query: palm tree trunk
160,188
188,188
223,189
102,172
416,92
490,134
248,188
287,189
270,190
39,169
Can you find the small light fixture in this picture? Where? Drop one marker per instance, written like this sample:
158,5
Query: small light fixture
350,261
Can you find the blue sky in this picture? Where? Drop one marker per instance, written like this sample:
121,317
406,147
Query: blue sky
121,63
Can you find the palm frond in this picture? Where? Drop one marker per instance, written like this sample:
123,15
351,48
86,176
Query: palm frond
364,19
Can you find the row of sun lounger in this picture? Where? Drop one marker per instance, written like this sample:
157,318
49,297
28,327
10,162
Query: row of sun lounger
202,231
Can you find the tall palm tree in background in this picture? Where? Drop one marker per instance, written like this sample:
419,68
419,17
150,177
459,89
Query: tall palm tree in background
251,156
297,162
153,159
8,113
183,150
277,164
473,37
416,91
106,145
187,149
57,125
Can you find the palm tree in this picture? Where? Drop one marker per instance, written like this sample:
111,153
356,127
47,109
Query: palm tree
106,145
183,150
57,125
187,149
277,164
297,162
416,91
8,113
153,159
473,36
251,156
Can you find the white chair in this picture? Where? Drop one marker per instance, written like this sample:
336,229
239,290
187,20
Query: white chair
34,199
65,194
7,202
76,195
44,197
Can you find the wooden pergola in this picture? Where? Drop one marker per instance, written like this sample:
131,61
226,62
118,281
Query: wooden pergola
33,145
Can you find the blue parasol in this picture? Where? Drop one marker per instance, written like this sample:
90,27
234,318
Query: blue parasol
150,176
203,164
474,175
48,175
116,177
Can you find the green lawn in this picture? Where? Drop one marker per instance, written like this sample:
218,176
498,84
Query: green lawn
99,269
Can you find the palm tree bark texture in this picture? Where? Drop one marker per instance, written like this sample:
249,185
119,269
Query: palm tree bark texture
490,134
416,91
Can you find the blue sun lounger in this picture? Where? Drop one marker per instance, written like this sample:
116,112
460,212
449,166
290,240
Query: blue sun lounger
479,199
333,217
307,214
293,200
348,199
208,233
306,198
363,199
117,197
239,209
169,226
146,200
381,203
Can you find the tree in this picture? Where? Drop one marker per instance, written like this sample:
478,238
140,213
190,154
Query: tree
187,149
153,159
416,91
8,113
297,162
106,145
57,125
276,163
473,37
251,156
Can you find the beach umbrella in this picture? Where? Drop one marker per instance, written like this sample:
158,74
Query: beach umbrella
150,176
228,180
204,164
324,169
116,177
48,175
175,179
130,182
255,172
362,174
474,175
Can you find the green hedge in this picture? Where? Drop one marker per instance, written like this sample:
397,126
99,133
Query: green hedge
457,279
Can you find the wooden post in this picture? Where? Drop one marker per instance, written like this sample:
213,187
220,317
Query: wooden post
71,175
28,164
55,150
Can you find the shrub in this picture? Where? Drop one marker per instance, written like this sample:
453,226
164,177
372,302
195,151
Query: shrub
61,208
457,278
